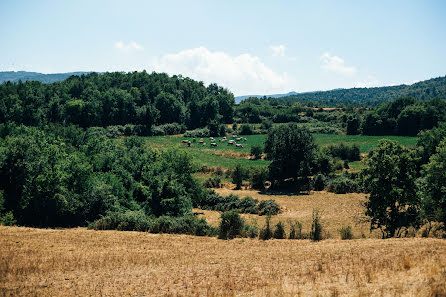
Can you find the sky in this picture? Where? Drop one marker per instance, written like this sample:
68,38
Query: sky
249,47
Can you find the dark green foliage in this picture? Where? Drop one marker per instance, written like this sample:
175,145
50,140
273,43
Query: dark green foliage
258,176
266,233
390,179
423,90
138,221
214,201
117,98
50,180
319,182
322,163
292,151
237,176
433,186
353,125
250,231
268,207
213,182
296,230
198,133
316,227
231,225
123,221
346,233
429,141
245,130
343,151
168,129
266,125
256,152
279,231
343,184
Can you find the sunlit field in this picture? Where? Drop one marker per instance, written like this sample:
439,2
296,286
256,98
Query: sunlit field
226,156
80,262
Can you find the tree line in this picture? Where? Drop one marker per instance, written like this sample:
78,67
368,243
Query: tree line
108,99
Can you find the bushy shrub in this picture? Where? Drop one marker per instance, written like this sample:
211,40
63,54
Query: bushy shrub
268,207
247,205
7,219
123,221
256,152
168,129
296,230
182,225
346,233
216,129
231,225
237,176
213,182
197,133
266,125
266,232
258,177
344,151
279,231
319,182
250,231
343,184
316,227
246,129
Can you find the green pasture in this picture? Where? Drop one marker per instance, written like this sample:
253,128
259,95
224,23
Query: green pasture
226,156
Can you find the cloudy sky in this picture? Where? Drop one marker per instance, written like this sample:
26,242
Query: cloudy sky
250,47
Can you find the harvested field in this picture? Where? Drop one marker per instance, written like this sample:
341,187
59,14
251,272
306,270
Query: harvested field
80,262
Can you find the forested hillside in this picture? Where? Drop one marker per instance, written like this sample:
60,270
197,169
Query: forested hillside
15,76
139,98
423,90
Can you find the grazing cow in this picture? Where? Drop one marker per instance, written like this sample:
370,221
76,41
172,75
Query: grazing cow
201,140
213,144
230,142
184,141
239,145
204,143
238,139
234,136
222,140
194,140
244,139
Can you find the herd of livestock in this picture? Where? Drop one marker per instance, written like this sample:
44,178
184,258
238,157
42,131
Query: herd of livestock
213,142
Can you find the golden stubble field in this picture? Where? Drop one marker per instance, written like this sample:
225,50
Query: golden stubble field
81,262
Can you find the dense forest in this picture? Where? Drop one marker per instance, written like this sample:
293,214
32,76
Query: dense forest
16,76
423,90
108,99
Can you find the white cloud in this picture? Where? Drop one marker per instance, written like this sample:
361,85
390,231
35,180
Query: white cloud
278,50
131,46
242,74
336,64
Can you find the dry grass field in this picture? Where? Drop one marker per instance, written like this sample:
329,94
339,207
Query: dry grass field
80,262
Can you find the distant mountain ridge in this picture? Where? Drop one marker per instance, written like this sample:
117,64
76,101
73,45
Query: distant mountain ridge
240,98
15,76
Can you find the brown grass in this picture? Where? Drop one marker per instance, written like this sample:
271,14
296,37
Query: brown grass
80,262
337,210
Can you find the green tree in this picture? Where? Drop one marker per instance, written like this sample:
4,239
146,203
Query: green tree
237,176
256,151
433,186
390,179
292,151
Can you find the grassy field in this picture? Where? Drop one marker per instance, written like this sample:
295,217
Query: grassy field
80,262
228,156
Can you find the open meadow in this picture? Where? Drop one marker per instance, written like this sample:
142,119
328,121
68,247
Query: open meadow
80,262
226,156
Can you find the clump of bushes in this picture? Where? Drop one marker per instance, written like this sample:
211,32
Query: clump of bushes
168,129
296,230
343,184
279,231
214,201
256,152
316,227
231,225
343,151
246,129
268,207
319,182
266,232
258,177
213,182
346,233
198,133
138,221
7,219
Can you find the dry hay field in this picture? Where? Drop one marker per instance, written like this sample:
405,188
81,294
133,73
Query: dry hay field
81,262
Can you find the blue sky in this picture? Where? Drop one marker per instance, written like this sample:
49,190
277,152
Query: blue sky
250,47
